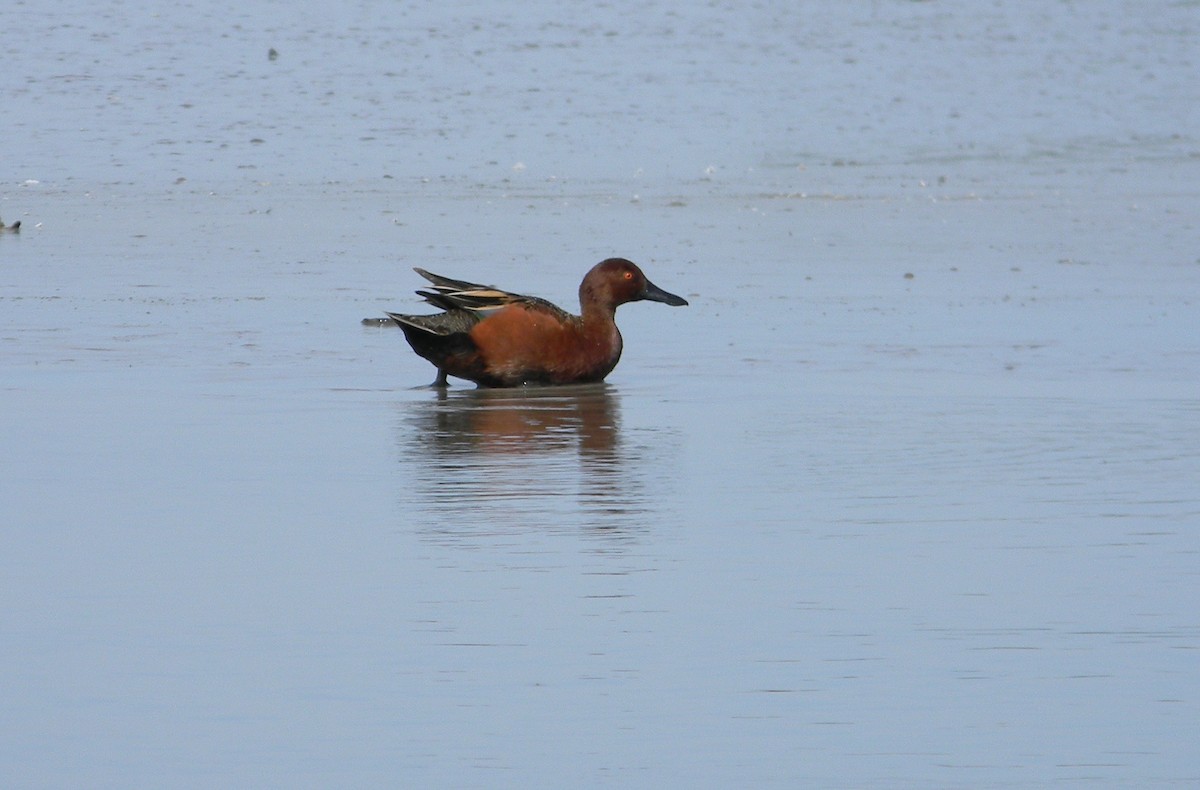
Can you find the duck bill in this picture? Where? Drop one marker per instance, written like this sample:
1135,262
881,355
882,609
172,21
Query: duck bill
655,294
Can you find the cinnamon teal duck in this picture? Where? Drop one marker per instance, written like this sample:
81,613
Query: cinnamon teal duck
500,339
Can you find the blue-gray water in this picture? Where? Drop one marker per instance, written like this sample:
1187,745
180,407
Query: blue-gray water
907,497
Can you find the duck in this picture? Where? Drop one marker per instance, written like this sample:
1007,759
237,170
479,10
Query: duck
497,338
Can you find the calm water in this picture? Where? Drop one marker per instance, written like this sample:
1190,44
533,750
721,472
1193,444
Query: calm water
907,497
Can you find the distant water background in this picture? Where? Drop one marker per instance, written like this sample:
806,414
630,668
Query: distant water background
907,496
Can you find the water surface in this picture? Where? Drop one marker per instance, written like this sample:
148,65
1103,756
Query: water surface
906,497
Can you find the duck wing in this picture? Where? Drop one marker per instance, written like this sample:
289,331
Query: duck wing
452,322
453,295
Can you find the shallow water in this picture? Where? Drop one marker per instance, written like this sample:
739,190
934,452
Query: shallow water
906,497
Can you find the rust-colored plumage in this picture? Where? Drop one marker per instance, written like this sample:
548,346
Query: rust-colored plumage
501,339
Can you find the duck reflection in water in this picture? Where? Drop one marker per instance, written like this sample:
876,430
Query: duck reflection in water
494,460
530,420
